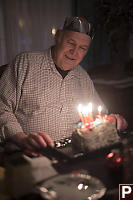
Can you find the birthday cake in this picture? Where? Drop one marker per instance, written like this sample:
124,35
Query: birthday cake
100,135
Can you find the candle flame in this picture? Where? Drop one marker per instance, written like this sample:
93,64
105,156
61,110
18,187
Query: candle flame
110,155
89,107
85,110
80,108
53,31
99,109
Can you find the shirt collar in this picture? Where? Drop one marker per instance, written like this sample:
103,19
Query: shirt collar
50,65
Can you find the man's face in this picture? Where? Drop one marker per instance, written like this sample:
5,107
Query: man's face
70,48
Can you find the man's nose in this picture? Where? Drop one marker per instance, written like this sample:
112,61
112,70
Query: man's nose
74,50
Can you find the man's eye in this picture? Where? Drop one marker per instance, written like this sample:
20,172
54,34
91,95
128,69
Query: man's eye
70,43
83,49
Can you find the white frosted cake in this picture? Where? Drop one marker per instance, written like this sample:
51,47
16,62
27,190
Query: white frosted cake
98,136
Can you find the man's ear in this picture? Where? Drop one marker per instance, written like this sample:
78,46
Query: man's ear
58,36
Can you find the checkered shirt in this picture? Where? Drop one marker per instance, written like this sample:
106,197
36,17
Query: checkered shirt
34,96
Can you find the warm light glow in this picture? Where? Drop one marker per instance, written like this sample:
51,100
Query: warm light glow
99,109
80,186
118,159
53,31
80,108
43,189
85,110
86,186
21,23
86,114
110,155
89,107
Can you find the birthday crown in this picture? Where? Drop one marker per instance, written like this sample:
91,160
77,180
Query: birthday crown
79,24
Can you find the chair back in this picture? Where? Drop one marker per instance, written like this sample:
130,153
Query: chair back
2,69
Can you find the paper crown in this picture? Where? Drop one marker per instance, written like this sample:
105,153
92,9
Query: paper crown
79,24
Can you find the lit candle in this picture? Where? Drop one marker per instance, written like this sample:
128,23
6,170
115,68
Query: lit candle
100,110
90,114
85,114
80,110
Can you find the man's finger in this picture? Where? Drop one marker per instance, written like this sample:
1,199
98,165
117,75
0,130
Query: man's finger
121,123
112,119
38,139
33,143
47,138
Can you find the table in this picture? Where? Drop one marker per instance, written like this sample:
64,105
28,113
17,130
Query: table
110,170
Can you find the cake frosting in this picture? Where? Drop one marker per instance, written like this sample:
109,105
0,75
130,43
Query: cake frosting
98,136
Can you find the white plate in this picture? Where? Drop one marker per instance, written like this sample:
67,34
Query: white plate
72,187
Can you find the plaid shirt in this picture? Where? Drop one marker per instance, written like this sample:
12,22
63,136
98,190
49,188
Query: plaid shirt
34,96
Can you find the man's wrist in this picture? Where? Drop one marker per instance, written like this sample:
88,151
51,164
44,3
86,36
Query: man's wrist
18,138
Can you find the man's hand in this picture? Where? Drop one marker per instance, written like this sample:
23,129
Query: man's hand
34,140
118,121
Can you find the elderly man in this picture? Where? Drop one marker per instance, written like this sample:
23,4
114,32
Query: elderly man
40,91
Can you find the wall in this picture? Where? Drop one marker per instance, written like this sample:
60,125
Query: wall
26,25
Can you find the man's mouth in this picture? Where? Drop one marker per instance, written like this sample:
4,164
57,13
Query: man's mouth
70,58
